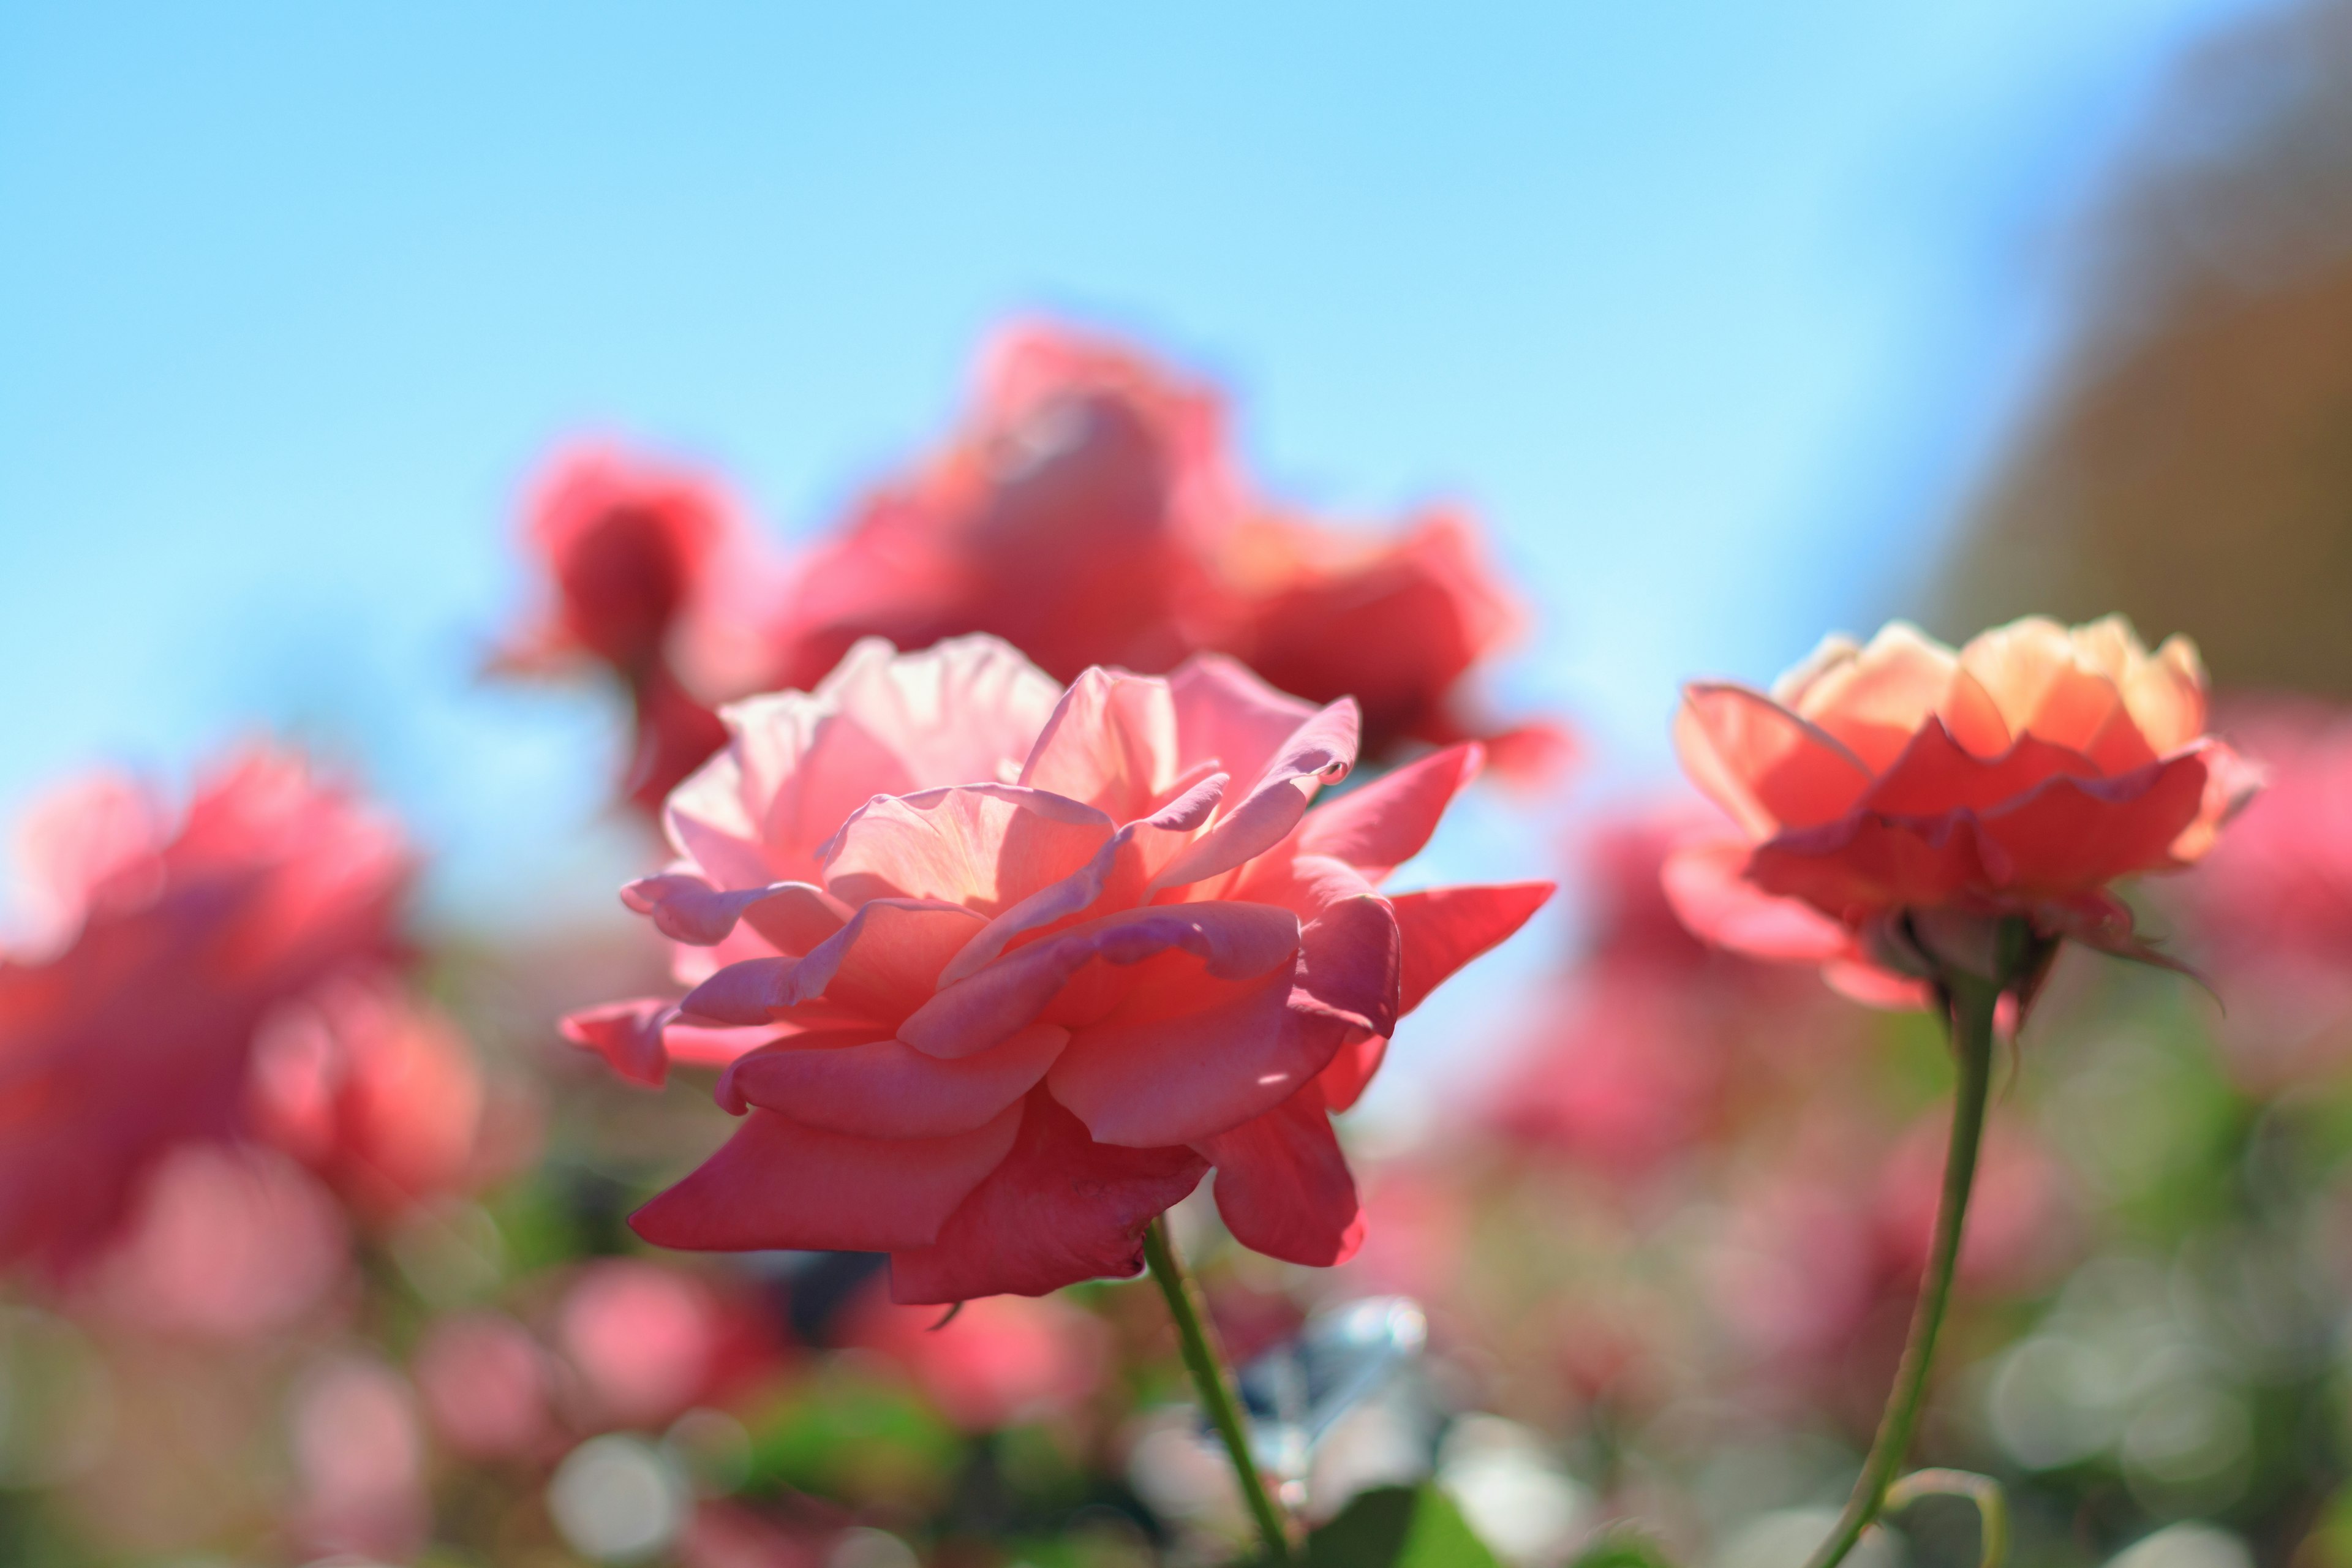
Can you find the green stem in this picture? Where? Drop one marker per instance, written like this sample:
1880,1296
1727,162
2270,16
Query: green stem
1203,1360
1972,1003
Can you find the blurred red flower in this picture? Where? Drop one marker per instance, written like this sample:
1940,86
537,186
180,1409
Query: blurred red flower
2271,909
168,943
1015,965
1088,514
1650,1042
380,1096
650,572
1001,1359
1903,794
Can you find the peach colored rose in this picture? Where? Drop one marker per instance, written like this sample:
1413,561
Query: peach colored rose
1009,967
168,944
1891,797
1089,514
650,572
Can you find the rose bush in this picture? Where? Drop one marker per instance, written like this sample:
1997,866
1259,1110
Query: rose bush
998,971
1895,799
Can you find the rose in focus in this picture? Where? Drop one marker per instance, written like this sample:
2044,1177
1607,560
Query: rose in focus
1895,800
998,971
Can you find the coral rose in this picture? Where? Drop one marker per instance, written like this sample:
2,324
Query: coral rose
169,943
1089,514
650,573
1000,970
1896,799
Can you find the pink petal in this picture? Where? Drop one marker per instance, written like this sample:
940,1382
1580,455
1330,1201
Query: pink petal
795,916
1445,928
1117,871
779,1184
986,846
1283,1185
1111,743
1766,766
881,966
887,1088
1188,1057
1935,775
1378,826
1867,864
1235,941
1060,1208
1708,885
1318,751
2074,834
1876,701
627,1035
1226,714
1343,1082
1875,987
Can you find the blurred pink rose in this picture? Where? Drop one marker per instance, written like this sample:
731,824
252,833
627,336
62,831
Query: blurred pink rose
1651,1044
1903,793
169,943
226,1242
1016,966
1001,1359
359,1462
1090,514
380,1096
485,1386
2271,908
649,572
644,1338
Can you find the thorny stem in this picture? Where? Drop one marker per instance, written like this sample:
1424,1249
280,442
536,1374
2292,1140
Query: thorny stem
1972,1001
1206,1363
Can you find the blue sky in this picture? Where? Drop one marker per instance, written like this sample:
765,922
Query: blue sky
1712,310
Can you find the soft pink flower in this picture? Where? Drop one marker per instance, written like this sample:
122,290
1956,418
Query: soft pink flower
359,1461
2271,909
1902,794
380,1096
644,1338
1014,967
1001,1359
170,941
226,1242
1089,514
650,573
485,1386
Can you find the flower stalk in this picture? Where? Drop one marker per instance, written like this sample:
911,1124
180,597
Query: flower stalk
1205,1361
1971,1002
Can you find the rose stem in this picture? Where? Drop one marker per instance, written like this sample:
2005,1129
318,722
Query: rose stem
1973,1000
1207,1365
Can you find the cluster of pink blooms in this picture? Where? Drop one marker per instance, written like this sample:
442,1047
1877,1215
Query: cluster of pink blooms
1088,511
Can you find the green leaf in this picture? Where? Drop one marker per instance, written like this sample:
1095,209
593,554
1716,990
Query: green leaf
1622,1549
1399,1527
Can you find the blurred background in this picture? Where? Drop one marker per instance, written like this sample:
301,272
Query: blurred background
1727,326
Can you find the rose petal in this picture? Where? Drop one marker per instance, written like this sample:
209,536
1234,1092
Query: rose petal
1378,826
1224,711
777,1184
1936,774
1110,743
796,916
1283,1186
985,846
1708,885
1318,751
1766,766
2076,834
1343,1082
1445,928
887,1088
627,1035
1058,1209
1235,941
879,967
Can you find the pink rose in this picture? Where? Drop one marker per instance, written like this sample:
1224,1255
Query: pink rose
168,944
1089,512
1010,968
1905,795
650,572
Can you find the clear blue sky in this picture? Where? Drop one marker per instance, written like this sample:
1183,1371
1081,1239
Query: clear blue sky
1712,310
